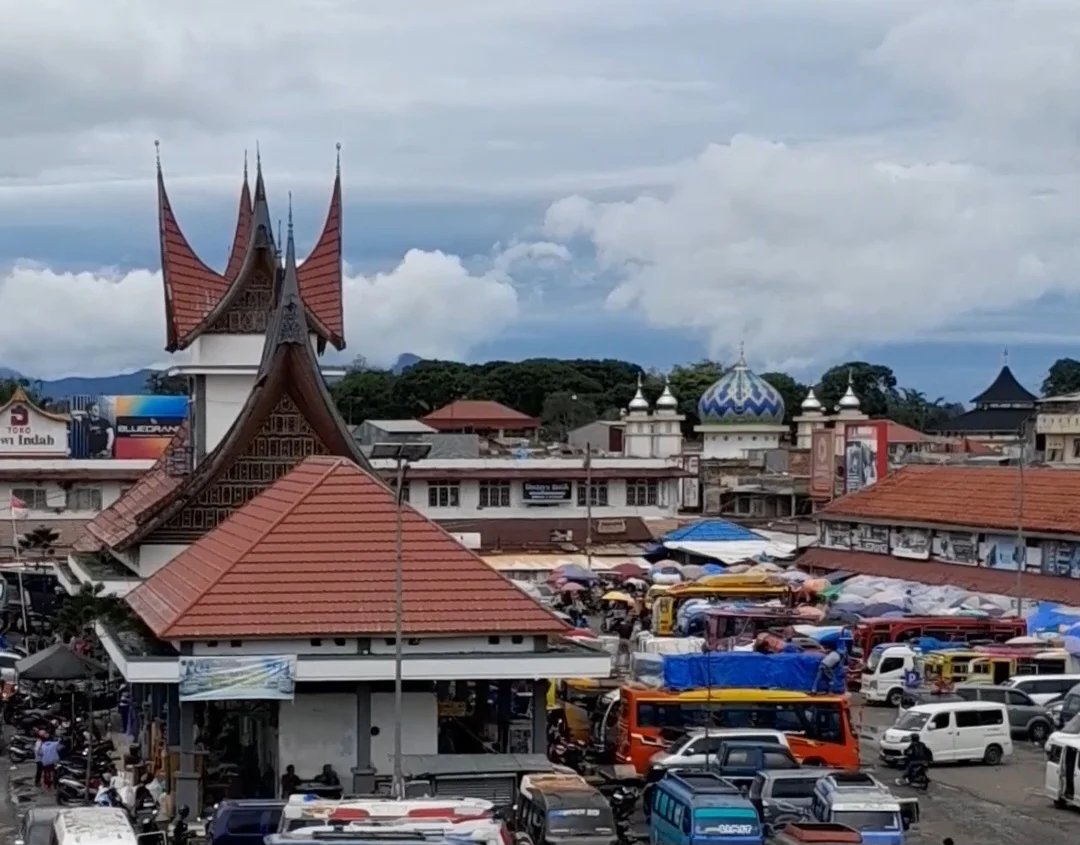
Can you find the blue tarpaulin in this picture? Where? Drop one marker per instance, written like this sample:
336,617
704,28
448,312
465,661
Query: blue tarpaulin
748,670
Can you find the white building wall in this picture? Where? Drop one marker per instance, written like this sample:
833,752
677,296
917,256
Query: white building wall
150,558
469,498
225,396
318,728
420,727
734,442
55,502
378,646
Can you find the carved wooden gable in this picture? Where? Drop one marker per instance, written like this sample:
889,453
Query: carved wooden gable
249,312
284,440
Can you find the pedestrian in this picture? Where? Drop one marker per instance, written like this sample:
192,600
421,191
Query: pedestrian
37,757
50,756
826,674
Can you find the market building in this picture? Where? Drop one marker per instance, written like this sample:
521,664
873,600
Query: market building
49,492
483,417
1006,530
260,553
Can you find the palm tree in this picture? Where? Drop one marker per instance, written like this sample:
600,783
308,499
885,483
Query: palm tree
78,613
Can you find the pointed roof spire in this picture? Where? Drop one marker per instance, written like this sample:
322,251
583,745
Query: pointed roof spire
639,402
191,288
849,401
1005,357
811,404
741,363
243,229
321,276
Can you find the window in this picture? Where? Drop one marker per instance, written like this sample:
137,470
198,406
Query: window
967,719
444,494
940,721
891,664
794,787
84,499
1053,753
995,695
494,494
598,497
641,492
247,822
1076,447
990,717
404,489
1015,698
34,497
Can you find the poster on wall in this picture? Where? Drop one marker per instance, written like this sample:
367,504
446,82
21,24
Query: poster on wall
545,492
871,538
822,465
28,431
249,678
1061,558
837,535
956,547
1001,551
911,543
866,457
133,427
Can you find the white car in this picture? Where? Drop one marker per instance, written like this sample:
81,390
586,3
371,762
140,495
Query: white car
694,750
1043,688
8,659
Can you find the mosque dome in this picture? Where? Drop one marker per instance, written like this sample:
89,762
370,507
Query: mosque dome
849,401
740,397
667,400
811,404
639,402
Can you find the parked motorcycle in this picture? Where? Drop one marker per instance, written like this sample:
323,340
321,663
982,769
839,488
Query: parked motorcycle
568,753
144,816
180,827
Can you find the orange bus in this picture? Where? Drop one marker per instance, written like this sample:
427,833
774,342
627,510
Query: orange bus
818,727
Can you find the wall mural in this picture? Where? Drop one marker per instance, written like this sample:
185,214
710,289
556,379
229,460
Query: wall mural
1000,551
837,535
956,547
910,542
871,538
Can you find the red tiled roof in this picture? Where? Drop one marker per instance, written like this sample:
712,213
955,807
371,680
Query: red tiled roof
468,411
538,534
905,434
242,234
191,288
314,555
118,522
320,274
975,578
975,497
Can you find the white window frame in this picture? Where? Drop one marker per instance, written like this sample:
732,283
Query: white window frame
444,494
495,494
639,491
598,494
90,492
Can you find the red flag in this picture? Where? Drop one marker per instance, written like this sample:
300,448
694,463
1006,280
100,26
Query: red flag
18,508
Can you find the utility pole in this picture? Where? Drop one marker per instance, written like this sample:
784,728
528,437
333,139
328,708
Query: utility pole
588,505
1021,542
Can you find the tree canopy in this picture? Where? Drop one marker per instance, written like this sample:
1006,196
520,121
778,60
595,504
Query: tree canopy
565,394
1063,378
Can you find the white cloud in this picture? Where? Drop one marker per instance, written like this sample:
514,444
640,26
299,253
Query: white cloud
808,251
101,323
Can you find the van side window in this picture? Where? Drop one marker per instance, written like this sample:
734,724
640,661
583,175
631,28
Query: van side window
686,821
941,720
990,717
1053,753
968,718
891,664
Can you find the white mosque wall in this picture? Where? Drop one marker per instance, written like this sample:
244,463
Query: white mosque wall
735,442
152,557
223,396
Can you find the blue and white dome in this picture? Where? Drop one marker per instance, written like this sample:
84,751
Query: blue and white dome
741,398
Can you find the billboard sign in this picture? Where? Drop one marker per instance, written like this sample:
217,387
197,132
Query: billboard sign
866,454
822,464
125,427
27,431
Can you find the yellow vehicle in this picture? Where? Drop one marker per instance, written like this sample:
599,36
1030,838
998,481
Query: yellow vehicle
992,669
996,667
655,591
750,587
578,699
946,668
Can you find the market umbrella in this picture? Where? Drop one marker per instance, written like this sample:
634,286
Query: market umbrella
629,570
58,663
692,571
637,583
572,587
618,596
575,572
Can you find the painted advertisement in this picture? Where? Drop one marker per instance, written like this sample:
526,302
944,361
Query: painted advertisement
132,427
866,454
262,677
822,465
956,547
1001,551
913,543
1061,558
871,538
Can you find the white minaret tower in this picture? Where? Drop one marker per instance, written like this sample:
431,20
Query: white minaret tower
849,409
667,440
637,441
811,418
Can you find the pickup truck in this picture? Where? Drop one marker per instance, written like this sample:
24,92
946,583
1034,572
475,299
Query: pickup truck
740,762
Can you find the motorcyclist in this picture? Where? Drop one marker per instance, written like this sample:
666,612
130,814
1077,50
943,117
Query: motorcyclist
917,756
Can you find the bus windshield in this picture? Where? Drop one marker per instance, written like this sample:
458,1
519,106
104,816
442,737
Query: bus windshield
819,720
580,821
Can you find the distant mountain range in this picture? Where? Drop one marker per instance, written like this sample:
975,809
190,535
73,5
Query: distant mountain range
132,384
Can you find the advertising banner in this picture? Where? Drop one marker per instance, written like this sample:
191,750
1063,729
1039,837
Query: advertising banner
261,677
822,465
545,492
866,454
28,431
133,427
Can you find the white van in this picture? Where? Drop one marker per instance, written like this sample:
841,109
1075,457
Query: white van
1062,769
99,826
1043,688
953,731
887,667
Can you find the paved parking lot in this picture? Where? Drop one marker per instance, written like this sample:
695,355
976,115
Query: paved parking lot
997,805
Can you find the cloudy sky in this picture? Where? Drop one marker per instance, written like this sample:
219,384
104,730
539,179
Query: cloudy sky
820,179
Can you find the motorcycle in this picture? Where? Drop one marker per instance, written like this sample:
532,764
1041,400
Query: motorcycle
918,778
568,753
72,789
180,827
144,816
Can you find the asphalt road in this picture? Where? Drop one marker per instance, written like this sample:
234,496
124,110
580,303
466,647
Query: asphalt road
995,805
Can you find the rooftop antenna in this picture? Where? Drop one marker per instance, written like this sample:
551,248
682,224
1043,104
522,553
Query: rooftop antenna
245,166
290,214
157,153
338,145
1005,357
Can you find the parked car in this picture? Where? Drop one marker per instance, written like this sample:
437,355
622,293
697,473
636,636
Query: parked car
1043,689
244,822
780,793
1026,717
698,748
740,761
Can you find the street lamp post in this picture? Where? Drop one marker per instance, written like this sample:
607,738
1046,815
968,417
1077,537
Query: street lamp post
402,454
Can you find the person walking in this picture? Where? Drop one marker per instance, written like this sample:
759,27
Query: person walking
37,757
50,756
